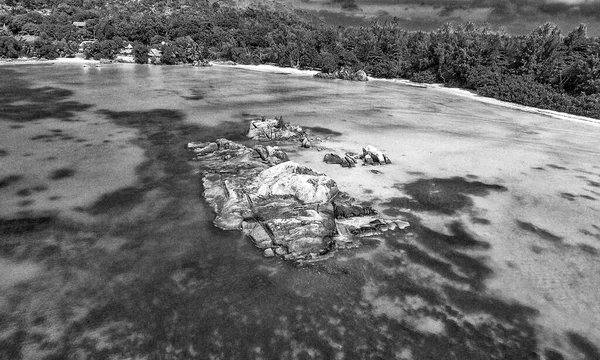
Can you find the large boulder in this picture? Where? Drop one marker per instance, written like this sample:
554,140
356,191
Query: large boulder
289,178
285,208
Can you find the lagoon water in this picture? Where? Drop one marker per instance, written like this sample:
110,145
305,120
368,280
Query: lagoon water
107,250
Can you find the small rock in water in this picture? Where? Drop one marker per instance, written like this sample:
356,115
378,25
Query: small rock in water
268,252
372,155
351,161
332,159
305,143
262,152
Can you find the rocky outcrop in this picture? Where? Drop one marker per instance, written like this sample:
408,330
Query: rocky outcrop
274,129
370,156
344,73
285,208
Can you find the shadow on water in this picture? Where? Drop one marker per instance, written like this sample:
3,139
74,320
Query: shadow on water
21,101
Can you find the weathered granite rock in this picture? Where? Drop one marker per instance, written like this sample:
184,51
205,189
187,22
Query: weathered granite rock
306,143
373,156
344,73
269,252
332,159
345,206
285,208
274,129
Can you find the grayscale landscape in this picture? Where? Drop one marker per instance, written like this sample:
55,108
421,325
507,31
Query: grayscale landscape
300,179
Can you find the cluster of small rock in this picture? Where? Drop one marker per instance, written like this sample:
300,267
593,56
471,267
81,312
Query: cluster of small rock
344,73
370,156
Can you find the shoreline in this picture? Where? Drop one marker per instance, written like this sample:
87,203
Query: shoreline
293,71
438,87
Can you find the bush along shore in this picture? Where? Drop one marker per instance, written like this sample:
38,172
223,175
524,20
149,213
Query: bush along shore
545,69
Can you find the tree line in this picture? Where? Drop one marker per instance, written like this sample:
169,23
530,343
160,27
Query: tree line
545,68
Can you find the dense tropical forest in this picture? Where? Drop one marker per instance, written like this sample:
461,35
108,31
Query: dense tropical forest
545,69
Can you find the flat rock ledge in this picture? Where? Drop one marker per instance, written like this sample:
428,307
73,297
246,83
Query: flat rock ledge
286,209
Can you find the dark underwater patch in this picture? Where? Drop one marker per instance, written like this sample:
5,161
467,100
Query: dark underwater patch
445,196
594,183
196,94
25,225
585,346
3,153
421,257
449,261
471,302
62,173
588,249
557,167
26,202
40,102
544,234
322,130
24,192
552,354
567,196
478,220
8,180
117,200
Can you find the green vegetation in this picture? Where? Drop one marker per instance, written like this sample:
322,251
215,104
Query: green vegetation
544,69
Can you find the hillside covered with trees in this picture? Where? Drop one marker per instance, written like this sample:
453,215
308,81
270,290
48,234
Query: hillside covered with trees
545,68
